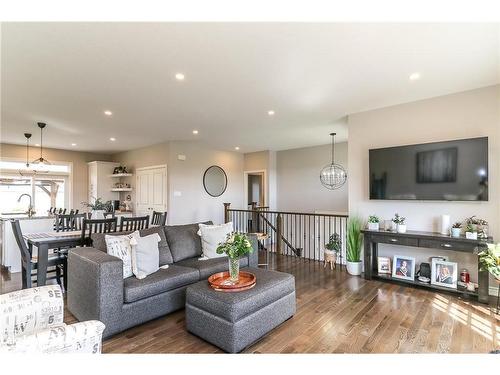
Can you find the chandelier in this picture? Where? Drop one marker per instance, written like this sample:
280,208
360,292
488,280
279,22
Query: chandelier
41,163
333,176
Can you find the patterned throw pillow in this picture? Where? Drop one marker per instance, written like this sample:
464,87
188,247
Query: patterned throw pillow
119,246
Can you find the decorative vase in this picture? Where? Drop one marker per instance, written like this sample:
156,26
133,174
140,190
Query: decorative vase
354,268
401,228
234,270
97,214
471,235
455,232
373,226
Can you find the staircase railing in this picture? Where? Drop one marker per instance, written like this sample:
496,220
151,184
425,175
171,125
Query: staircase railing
298,234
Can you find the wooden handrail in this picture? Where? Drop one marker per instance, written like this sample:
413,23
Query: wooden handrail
289,213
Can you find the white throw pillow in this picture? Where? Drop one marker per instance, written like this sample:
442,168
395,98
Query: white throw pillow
212,236
145,254
119,246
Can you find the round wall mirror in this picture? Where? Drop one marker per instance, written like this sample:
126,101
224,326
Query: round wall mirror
215,181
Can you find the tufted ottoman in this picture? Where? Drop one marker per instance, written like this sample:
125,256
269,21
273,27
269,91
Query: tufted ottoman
234,321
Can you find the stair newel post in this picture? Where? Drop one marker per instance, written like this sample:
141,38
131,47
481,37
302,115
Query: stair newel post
226,212
279,230
255,218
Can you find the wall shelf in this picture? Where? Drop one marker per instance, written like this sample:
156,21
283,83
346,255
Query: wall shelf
121,189
118,175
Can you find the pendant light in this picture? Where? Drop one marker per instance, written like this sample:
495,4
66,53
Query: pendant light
23,171
333,176
41,163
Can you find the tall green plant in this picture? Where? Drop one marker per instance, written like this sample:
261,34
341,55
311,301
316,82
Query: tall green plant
354,239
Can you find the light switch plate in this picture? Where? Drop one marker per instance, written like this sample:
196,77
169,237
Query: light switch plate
181,157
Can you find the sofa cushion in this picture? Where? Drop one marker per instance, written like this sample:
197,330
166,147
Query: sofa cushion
207,267
165,254
184,241
159,282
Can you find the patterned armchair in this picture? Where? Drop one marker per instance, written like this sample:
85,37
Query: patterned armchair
31,321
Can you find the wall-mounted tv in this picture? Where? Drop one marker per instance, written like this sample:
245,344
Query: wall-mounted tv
446,171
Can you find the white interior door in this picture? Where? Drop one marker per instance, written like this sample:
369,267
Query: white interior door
151,192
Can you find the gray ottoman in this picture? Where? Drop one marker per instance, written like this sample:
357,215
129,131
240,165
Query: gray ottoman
233,321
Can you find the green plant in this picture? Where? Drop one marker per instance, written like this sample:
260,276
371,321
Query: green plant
99,205
489,260
398,219
470,228
236,246
373,219
334,243
457,225
354,239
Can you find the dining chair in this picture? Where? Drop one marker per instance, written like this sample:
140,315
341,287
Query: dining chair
29,263
134,223
71,222
159,218
91,226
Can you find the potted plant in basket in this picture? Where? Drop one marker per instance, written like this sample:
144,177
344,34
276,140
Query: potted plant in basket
98,208
456,229
353,249
332,248
236,246
373,222
400,222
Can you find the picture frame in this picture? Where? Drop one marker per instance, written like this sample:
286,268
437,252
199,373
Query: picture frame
384,265
444,273
403,267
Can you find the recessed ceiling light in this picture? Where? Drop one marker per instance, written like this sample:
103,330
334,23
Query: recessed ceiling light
179,77
195,131
73,144
414,76
112,139
108,113
236,148
270,113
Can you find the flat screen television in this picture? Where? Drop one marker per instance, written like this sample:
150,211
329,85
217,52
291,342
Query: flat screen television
446,171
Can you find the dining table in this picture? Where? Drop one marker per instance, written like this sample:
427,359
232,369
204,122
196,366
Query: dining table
44,241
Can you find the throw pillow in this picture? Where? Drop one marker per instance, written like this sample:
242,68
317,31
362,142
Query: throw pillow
212,236
145,254
119,246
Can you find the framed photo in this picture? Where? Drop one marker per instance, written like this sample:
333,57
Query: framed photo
444,273
384,265
403,267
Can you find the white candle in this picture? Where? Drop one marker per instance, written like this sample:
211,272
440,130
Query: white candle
445,224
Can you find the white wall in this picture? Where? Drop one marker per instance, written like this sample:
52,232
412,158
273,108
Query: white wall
186,177
298,180
468,114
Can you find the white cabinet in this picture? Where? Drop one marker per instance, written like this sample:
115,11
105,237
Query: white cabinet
100,184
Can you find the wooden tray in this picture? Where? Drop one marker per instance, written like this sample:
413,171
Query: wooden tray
220,282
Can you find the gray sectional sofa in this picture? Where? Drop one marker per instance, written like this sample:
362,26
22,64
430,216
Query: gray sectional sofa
97,290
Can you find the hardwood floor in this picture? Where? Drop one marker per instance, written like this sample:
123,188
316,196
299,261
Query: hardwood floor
336,313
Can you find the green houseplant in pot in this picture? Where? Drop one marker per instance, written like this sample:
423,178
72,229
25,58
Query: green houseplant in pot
489,260
99,207
354,243
456,229
332,248
236,246
373,222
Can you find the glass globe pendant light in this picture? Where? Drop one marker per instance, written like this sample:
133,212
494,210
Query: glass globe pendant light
333,176
41,163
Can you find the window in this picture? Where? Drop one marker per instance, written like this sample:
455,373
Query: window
47,190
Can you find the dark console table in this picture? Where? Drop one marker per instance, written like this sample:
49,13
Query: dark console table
427,240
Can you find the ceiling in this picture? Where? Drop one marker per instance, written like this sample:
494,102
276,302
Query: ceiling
311,75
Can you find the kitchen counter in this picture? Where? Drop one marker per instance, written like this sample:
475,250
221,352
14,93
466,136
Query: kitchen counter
25,217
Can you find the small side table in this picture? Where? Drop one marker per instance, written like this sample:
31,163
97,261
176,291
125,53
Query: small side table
261,238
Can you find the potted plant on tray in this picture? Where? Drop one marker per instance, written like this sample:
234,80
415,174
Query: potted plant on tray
236,246
456,229
373,222
98,208
400,222
354,242
332,248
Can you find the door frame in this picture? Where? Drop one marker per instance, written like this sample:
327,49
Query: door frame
245,185
165,191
